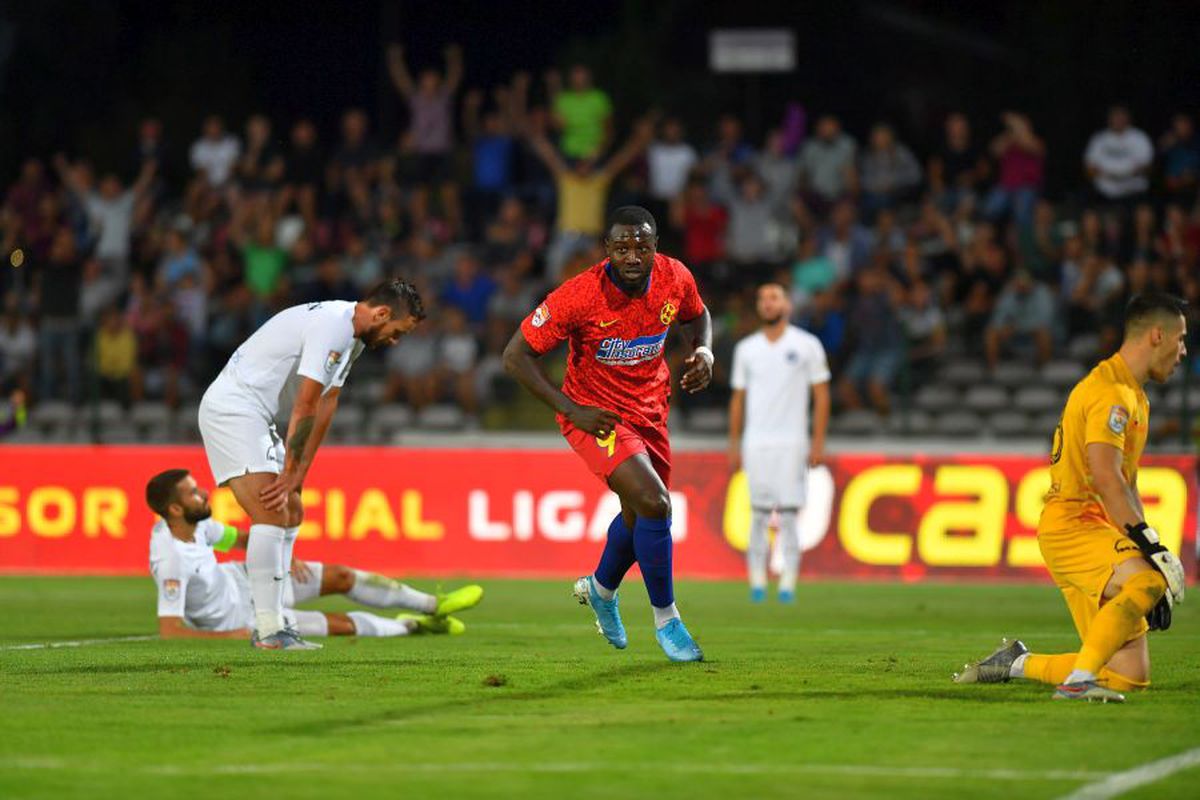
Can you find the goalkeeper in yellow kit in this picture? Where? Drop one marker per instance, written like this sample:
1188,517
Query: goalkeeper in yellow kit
1118,581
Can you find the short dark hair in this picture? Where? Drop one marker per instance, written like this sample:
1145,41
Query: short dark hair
401,297
1150,307
633,215
160,491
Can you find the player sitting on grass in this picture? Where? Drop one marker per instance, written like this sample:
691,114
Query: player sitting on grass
1118,580
201,599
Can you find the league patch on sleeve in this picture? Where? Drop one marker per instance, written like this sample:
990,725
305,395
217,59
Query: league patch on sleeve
1118,418
332,361
170,589
541,316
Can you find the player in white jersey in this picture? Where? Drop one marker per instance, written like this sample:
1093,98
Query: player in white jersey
301,356
199,598
775,371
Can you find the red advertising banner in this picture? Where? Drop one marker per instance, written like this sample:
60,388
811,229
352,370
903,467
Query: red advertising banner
541,513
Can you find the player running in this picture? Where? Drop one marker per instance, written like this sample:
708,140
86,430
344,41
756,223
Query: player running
774,372
612,408
201,599
301,355
1118,580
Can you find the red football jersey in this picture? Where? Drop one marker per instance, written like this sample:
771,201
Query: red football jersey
616,359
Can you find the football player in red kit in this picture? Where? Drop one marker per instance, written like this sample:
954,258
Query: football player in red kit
612,408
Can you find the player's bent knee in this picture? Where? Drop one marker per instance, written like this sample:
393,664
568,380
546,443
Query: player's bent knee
1150,584
654,505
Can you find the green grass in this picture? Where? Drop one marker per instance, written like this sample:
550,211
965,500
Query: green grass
846,694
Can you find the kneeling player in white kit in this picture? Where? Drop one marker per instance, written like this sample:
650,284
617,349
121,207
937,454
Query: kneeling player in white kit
774,372
301,355
201,599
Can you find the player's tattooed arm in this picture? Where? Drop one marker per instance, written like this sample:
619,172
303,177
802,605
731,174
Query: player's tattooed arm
521,362
698,366
300,445
299,438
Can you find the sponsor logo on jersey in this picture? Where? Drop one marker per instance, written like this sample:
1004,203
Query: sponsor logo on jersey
667,315
171,589
332,361
623,352
1118,418
540,316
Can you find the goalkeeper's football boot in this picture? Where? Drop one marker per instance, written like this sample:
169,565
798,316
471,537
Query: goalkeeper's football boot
996,667
608,612
458,600
1089,691
286,639
429,623
677,643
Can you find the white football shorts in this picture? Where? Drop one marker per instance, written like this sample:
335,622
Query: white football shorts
777,476
238,436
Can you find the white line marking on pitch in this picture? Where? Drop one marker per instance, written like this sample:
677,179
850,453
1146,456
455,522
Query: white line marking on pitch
44,763
1121,782
77,643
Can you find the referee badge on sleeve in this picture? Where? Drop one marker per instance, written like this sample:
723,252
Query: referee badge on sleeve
1118,418
541,316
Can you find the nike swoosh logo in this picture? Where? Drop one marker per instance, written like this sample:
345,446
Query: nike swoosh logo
610,322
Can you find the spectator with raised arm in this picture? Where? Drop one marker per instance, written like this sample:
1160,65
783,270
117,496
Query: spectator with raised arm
582,112
1020,155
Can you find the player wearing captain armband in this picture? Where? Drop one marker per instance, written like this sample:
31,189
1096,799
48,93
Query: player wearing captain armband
199,598
1118,580
612,408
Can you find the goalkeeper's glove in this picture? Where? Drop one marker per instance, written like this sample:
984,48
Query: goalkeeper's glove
1162,559
1159,617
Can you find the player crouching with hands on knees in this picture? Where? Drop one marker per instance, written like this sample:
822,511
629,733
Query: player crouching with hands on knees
1118,580
201,599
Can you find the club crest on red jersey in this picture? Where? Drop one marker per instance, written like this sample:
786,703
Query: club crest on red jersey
668,313
540,316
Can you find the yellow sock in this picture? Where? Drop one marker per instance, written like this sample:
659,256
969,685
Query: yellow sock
1119,619
1049,669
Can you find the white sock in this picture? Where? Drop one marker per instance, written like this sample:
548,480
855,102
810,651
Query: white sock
759,549
311,623
664,615
604,592
267,573
367,624
289,545
379,591
1017,670
789,543
1079,676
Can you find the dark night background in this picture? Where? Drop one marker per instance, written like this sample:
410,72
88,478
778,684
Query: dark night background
77,76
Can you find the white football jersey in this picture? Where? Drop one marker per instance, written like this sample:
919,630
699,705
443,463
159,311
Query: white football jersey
315,340
191,584
777,378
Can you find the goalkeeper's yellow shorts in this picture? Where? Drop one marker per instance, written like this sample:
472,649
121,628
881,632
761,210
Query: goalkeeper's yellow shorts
1081,561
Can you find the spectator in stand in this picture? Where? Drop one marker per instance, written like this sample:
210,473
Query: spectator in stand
179,259
111,211
330,283
703,224
116,357
670,160
1179,149
582,112
430,135
727,161
457,352
1040,244
827,166
356,161
163,350
510,233
260,168
779,172
812,273
470,290
150,147
877,340
844,241
362,266
411,368
25,196
959,167
18,346
303,174
924,327
889,172
215,154
58,284
823,317
1020,156
493,143
1118,160
583,195
752,240
1087,289
264,261
1023,320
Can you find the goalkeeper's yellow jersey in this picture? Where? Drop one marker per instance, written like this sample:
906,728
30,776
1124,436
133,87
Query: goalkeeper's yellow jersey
1107,406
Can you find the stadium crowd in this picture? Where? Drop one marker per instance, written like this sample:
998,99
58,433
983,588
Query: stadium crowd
138,283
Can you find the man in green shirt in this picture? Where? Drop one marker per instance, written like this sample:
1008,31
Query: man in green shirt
583,113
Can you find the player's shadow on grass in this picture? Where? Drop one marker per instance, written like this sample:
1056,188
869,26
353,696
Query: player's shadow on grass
486,695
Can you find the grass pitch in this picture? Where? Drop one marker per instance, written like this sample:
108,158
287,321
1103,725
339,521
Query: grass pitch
845,694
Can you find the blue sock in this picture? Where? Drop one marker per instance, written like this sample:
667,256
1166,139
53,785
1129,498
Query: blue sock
652,543
618,555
